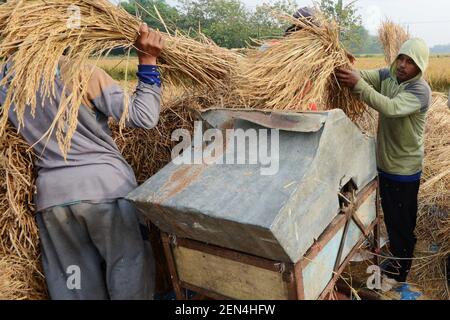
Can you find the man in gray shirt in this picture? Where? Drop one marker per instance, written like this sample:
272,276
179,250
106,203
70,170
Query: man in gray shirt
91,243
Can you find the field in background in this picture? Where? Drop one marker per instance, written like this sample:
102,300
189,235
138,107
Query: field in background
116,67
438,74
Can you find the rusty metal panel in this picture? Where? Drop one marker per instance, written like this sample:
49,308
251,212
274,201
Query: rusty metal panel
295,122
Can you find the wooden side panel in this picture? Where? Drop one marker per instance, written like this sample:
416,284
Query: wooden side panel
228,278
318,272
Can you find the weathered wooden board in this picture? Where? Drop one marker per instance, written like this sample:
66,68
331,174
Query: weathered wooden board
227,277
223,273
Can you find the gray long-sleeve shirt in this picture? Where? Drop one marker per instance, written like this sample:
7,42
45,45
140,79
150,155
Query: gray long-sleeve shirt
95,170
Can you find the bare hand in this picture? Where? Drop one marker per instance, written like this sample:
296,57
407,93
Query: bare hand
347,78
149,45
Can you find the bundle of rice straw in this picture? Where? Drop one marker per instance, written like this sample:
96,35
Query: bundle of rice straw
147,151
368,122
202,62
391,36
435,189
20,276
36,34
18,233
20,280
298,71
433,229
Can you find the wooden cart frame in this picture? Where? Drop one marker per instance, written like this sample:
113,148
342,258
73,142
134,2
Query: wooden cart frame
291,273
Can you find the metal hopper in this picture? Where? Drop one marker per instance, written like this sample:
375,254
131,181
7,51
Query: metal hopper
279,216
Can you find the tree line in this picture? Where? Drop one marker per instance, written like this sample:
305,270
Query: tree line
230,24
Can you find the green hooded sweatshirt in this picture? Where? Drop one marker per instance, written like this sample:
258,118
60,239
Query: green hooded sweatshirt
402,108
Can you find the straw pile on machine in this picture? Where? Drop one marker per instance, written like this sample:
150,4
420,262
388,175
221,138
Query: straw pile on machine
299,71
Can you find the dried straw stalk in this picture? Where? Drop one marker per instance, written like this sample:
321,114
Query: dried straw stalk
148,151
186,62
435,189
18,232
391,36
429,267
20,276
433,227
20,279
299,71
36,34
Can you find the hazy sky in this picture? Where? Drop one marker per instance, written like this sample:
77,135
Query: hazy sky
428,19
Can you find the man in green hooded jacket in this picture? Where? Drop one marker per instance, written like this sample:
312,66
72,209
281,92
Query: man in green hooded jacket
402,98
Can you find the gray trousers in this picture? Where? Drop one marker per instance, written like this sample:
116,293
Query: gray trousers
95,252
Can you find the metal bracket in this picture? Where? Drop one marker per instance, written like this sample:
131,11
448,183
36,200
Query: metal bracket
281,267
173,240
350,213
